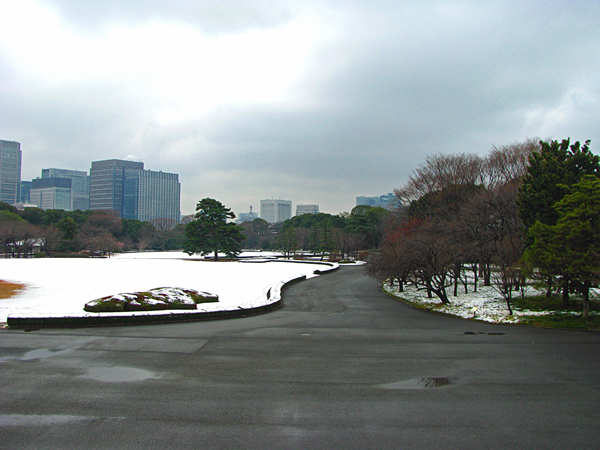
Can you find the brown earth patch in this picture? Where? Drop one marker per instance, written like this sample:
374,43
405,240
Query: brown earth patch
7,289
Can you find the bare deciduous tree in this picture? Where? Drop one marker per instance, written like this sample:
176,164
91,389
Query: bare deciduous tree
439,172
164,228
510,162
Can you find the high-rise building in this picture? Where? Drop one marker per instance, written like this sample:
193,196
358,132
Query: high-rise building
80,185
275,211
384,201
246,217
52,193
307,209
10,172
149,195
107,183
25,191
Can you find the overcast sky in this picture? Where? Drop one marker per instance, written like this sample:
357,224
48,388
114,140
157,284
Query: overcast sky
317,102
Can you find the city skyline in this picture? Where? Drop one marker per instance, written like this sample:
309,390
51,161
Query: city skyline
82,186
320,102
70,173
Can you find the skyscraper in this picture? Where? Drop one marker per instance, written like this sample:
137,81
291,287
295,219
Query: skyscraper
52,193
151,195
275,211
387,201
10,172
107,183
80,185
307,209
25,191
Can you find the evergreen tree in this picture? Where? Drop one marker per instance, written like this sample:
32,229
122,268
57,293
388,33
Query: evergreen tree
209,232
551,171
287,241
572,246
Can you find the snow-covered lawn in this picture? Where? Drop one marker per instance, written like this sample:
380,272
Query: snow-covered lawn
61,287
486,304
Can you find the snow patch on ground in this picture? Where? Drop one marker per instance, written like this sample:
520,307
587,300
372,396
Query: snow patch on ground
486,304
62,287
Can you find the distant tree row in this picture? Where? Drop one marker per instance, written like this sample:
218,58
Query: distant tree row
464,218
322,234
98,232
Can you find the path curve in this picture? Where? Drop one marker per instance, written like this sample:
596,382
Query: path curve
341,365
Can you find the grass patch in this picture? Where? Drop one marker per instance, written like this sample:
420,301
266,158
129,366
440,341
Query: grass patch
553,303
559,315
7,290
559,320
69,255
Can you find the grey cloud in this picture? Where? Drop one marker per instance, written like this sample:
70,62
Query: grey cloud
212,17
404,81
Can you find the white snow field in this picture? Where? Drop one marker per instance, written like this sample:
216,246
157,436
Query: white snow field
62,287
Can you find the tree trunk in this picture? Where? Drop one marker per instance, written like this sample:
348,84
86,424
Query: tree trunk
508,297
586,301
442,295
429,290
487,274
216,255
456,277
565,292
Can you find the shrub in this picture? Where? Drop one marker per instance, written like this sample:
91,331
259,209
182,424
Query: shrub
152,300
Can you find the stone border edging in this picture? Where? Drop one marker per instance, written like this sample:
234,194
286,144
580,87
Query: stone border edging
271,293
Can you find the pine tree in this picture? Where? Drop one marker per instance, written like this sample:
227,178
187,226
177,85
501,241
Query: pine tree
209,232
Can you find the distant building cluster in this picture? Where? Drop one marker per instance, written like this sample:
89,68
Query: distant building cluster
124,187
247,217
277,210
384,201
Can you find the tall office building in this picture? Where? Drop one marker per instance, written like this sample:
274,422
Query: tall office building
52,193
10,172
25,191
149,195
307,209
80,185
387,201
275,211
107,183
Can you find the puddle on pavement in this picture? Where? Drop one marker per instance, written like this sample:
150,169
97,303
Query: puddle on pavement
12,420
22,355
417,383
119,374
481,332
42,353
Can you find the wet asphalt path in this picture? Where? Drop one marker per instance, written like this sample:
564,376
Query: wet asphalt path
341,365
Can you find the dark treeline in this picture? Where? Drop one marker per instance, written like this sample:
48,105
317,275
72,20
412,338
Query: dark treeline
465,220
55,232
338,237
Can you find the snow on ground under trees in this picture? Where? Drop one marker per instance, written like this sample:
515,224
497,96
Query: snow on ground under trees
486,304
